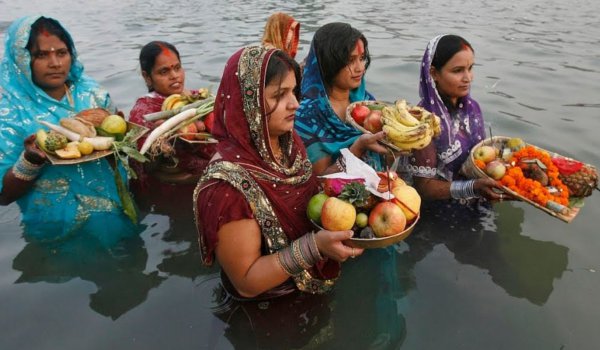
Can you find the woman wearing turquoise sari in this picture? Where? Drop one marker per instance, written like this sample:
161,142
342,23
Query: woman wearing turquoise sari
42,80
333,78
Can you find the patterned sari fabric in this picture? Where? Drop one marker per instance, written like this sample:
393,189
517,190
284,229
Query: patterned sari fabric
322,132
67,199
247,182
462,128
282,31
191,158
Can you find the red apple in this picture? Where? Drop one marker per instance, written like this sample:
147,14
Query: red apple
485,153
495,169
200,126
188,131
337,215
359,113
209,121
373,122
387,219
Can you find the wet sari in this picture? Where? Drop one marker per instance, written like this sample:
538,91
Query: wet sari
462,128
247,182
323,133
67,199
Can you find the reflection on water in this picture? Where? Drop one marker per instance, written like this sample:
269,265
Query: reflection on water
118,274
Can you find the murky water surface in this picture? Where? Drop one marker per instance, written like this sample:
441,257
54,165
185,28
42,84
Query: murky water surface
512,278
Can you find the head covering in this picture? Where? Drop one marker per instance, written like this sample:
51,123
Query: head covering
65,198
277,195
453,145
282,31
322,131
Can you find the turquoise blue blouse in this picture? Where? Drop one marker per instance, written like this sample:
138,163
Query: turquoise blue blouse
65,199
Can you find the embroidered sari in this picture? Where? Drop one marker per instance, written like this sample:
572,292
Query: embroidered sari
248,183
462,128
322,132
67,199
282,32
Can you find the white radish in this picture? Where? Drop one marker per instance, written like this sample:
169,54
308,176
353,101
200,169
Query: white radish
165,127
71,135
100,143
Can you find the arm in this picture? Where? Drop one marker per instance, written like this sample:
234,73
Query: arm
20,178
434,189
365,142
239,254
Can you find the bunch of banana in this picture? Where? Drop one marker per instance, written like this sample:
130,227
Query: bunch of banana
409,127
175,101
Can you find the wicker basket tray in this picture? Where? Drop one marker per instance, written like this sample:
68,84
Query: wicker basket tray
352,122
470,170
56,160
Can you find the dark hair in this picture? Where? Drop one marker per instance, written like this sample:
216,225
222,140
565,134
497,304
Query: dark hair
52,27
280,63
152,50
447,47
333,44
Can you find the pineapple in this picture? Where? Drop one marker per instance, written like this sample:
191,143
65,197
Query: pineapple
582,182
357,194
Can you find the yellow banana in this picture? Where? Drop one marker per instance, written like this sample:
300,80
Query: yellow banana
415,145
178,104
169,101
403,115
395,135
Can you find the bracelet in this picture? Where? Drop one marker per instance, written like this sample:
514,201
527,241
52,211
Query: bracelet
300,255
340,163
25,170
463,189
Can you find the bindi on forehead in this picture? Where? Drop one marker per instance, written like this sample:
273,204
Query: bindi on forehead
360,47
165,51
45,32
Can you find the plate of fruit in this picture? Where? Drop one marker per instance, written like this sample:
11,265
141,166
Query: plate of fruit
547,180
407,127
89,135
346,204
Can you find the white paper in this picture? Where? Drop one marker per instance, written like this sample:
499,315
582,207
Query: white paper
357,169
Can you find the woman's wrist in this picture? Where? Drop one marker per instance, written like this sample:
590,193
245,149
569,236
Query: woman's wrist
25,170
300,255
463,189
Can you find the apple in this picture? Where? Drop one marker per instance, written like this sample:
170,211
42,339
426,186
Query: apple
209,121
407,199
389,179
485,153
337,215
361,220
495,169
315,206
200,126
373,122
359,113
187,131
387,219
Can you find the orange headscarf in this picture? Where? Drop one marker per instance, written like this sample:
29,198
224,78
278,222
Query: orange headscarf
282,31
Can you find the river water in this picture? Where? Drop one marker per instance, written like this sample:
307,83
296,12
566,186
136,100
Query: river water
511,278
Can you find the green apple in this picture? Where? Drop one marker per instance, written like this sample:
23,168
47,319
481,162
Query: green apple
362,220
315,205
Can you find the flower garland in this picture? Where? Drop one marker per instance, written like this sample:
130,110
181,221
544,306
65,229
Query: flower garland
532,189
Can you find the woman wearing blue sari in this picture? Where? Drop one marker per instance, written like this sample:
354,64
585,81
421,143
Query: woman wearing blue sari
42,80
333,78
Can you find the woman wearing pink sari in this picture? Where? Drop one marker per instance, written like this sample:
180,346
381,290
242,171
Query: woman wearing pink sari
250,204
164,75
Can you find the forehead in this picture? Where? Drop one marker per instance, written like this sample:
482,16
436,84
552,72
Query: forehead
461,58
287,81
47,41
166,58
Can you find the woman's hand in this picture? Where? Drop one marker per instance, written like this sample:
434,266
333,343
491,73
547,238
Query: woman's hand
490,189
331,244
33,153
368,142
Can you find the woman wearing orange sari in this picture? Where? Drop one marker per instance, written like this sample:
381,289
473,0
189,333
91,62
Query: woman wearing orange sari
282,32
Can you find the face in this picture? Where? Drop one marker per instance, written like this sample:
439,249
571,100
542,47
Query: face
167,76
50,63
281,104
454,79
350,76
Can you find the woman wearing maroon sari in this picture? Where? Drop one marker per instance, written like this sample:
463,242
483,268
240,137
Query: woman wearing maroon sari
250,204
163,74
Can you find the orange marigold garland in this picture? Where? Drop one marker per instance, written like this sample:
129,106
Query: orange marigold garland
529,188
